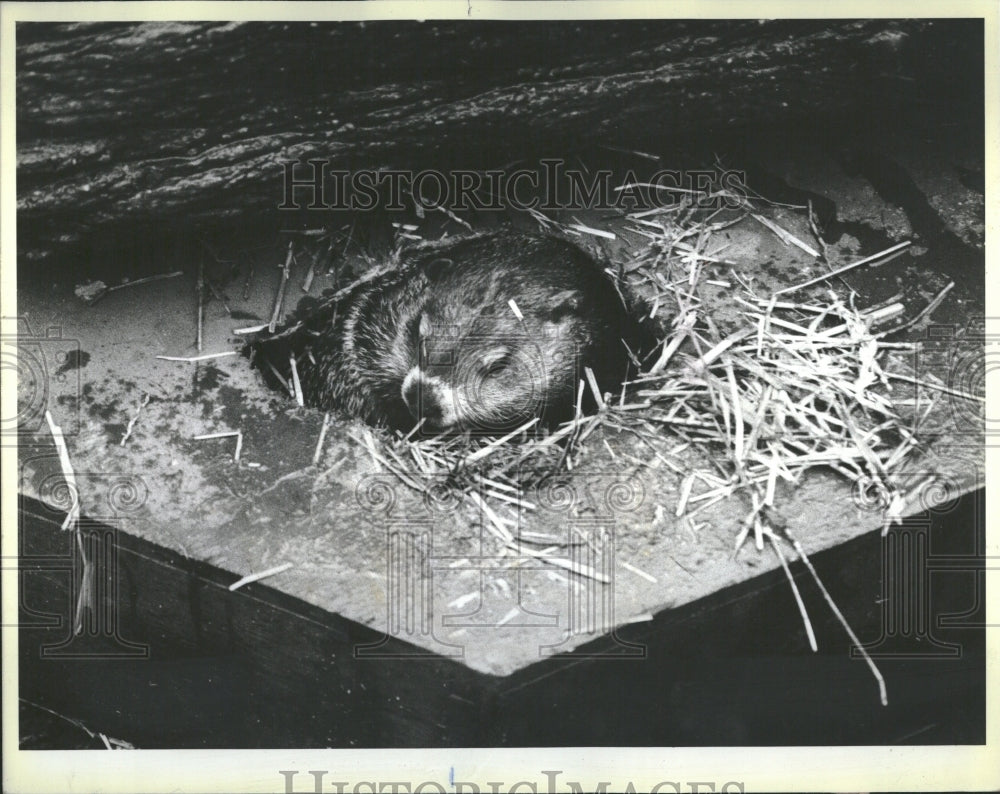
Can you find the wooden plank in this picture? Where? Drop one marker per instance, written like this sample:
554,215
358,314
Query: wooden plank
191,664
250,668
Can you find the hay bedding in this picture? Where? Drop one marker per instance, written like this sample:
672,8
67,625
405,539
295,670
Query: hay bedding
796,380
781,387
762,385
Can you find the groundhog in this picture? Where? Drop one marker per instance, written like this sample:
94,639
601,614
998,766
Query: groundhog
478,333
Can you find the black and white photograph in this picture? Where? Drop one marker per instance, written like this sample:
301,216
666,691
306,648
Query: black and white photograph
518,397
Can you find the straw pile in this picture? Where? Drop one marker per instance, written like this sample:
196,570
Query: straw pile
791,386
782,387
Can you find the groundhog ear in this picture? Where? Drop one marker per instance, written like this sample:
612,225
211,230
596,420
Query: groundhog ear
563,303
433,267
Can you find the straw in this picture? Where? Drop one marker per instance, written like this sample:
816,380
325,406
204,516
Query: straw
286,271
204,357
867,260
256,577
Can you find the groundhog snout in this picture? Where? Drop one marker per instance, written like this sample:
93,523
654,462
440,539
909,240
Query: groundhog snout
472,398
429,399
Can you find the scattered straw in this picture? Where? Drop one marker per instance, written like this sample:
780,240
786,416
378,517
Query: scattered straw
279,299
895,249
256,577
592,231
638,572
131,422
296,385
250,329
322,437
205,357
784,235
467,598
562,562
311,273
494,523
94,291
492,446
73,514
85,598
200,292
110,742
222,434
883,696
776,546
927,384
927,310
594,389
237,434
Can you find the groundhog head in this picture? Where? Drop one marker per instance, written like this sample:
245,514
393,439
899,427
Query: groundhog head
495,371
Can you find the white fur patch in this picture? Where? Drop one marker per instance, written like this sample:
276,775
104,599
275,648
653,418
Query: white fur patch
431,388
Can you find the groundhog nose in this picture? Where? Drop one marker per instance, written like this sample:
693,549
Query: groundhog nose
422,402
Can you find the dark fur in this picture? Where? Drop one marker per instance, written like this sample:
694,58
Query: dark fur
480,366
